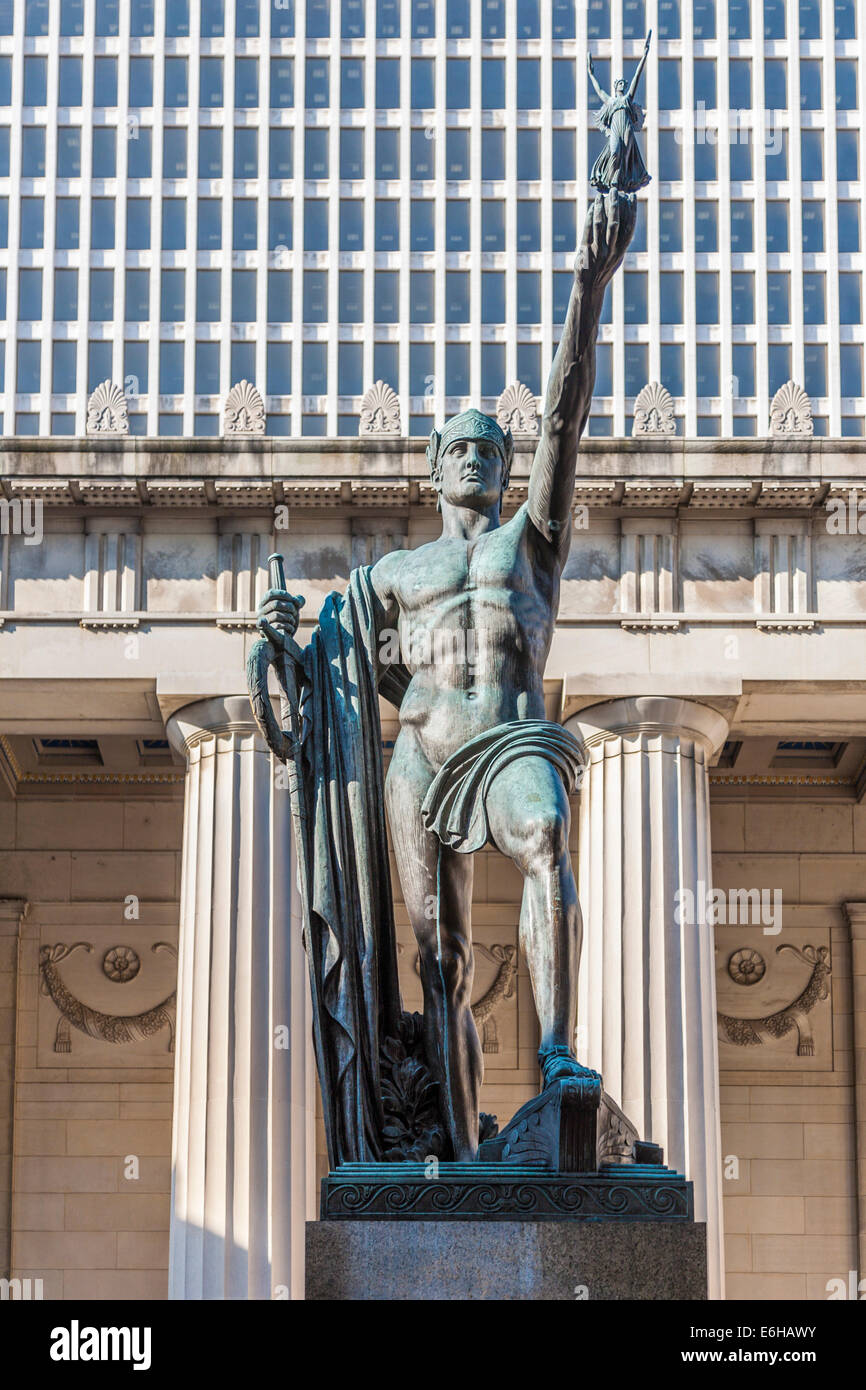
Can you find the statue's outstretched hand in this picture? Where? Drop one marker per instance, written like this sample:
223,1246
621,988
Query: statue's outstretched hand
277,616
609,229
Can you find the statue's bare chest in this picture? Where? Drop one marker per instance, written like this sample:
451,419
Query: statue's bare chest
497,563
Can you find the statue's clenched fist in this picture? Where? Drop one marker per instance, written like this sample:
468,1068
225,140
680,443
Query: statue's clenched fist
278,614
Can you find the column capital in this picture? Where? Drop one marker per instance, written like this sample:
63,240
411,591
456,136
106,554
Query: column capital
855,915
13,911
665,715
221,714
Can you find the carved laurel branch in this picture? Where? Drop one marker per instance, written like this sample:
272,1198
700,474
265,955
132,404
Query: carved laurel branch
745,1032
112,1028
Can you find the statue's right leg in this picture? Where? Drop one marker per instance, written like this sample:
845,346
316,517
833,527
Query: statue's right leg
437,891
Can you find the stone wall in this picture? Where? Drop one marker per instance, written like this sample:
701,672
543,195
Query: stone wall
788,1118
86,1118
92,1125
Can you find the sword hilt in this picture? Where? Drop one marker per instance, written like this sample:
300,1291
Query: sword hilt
276,572
277,580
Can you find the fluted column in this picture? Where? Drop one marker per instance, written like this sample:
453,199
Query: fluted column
242,1140
12,970
646,994
856,916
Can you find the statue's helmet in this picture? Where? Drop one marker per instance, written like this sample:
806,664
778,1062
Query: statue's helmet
619,85
470,424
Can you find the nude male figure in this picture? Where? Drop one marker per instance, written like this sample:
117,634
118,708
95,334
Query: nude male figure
499,583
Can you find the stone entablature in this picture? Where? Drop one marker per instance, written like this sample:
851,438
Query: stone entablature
655,471
666,531
718,550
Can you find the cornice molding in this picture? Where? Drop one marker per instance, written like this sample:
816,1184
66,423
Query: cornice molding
633,622
785,624
786,779
16,777
651,624
624,493
14,909
9,763
109,622
102,778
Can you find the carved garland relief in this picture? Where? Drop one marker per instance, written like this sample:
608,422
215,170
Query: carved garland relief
120,965
769,995
503,987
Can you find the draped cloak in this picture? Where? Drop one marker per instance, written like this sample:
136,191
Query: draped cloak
350,937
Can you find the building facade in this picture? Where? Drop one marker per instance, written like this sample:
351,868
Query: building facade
709,651
316,229
338,193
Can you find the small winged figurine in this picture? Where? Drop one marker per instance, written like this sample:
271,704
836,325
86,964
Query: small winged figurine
620,164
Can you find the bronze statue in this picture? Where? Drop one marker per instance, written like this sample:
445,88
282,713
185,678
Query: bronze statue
476,763
620,164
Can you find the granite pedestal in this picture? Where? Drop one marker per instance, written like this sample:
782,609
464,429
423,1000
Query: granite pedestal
505,1231
550,1260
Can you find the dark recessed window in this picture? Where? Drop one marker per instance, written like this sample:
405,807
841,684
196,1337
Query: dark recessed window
807,752
56,750
730,753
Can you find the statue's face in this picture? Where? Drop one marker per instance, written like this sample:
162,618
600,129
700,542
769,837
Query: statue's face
471,473
620,86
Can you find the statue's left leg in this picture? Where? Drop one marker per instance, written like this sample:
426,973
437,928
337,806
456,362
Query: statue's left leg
437,892
529,820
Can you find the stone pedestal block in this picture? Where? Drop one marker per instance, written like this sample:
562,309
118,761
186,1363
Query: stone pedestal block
477,1260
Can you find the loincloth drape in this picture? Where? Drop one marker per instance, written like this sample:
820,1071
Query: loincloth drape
455,804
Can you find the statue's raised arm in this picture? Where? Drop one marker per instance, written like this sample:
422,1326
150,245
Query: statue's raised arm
607,232
632,91
618,173
599,90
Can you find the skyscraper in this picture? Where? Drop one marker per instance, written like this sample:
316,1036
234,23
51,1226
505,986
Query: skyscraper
315,194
